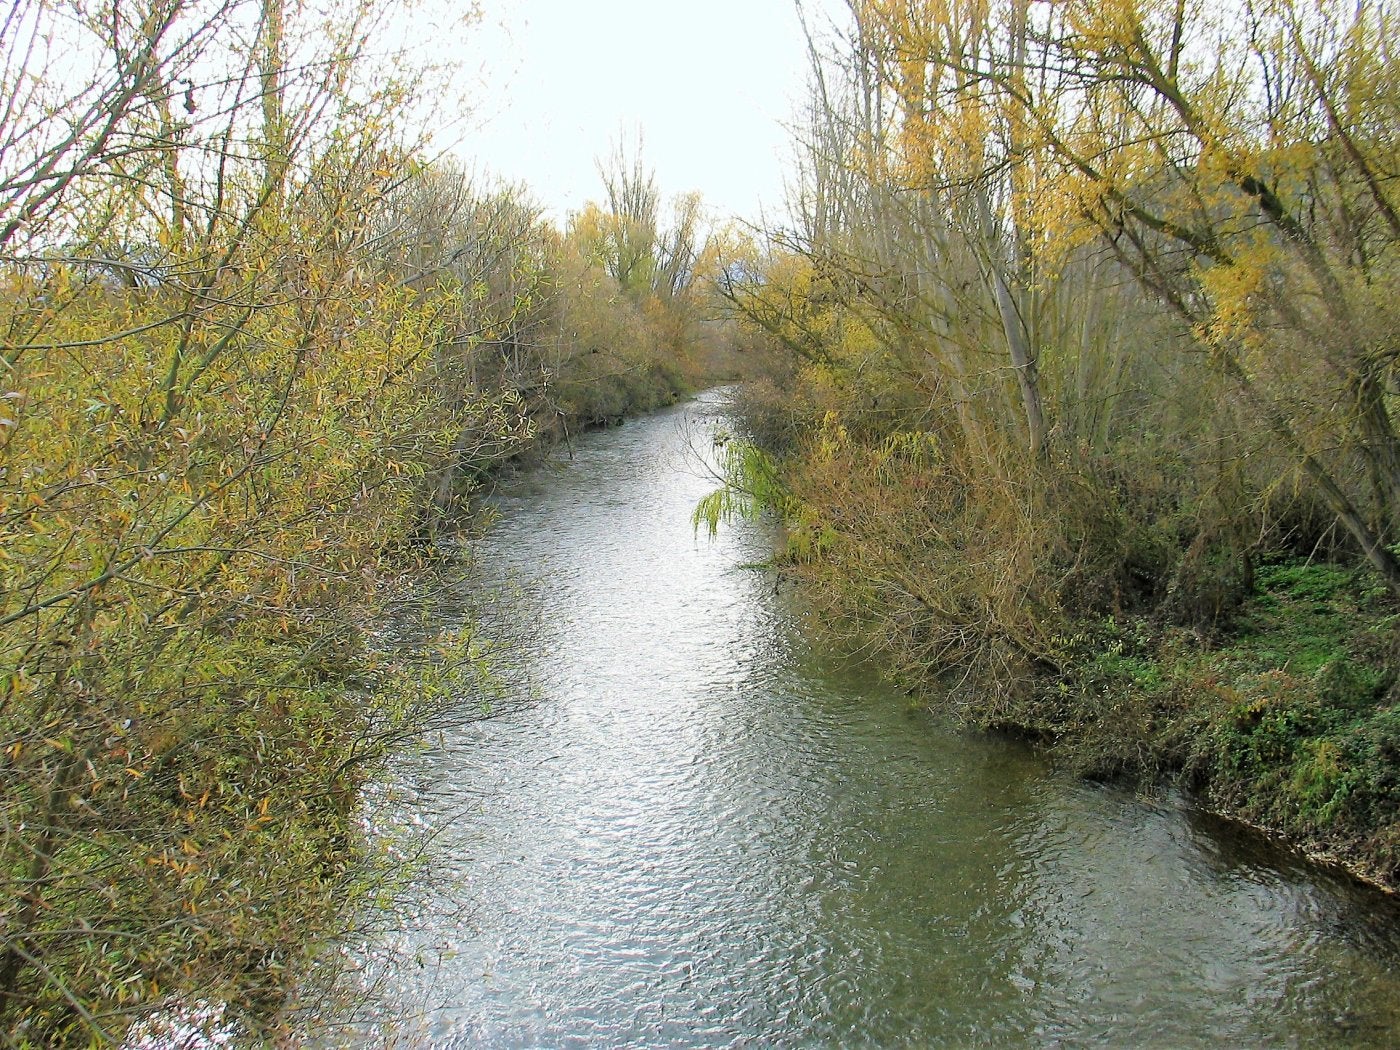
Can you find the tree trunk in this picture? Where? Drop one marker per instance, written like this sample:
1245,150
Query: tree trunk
1023,361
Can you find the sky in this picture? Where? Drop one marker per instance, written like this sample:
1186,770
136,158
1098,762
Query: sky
708,85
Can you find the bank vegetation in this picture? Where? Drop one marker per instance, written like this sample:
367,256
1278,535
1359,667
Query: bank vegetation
258,345
1084,424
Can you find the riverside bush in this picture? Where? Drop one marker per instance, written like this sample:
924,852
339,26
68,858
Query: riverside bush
1136,310
1162,651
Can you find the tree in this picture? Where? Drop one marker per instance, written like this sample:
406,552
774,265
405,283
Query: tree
217,414
1232,159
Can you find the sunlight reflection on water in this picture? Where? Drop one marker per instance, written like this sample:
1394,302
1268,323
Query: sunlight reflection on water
705,835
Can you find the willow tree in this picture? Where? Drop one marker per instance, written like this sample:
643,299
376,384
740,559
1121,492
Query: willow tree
966,150
646,245
214,415
1236,158
919,212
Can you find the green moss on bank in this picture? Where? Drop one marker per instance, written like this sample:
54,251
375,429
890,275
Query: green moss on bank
1290,723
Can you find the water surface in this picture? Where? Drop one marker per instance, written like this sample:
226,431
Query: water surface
702,833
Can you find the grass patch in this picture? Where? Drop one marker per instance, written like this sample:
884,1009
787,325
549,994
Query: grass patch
1290,723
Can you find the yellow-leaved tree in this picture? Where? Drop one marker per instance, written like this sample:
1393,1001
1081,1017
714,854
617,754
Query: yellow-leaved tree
218,411
1237,159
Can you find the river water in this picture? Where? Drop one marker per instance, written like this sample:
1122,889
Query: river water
699,832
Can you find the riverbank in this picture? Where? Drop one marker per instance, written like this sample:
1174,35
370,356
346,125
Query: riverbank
597,392
1116,622
1286,722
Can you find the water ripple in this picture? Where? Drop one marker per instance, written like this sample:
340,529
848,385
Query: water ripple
701,836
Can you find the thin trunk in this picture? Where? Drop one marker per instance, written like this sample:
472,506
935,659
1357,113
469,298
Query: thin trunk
1023,360
270,62
1381,451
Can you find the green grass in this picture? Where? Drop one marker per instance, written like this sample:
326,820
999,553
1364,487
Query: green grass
1301,618
1291,722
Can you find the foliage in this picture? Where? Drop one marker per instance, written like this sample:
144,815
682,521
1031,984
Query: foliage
1297,726
1086,369
1289,725
1228,162
256,352
217,424
751,486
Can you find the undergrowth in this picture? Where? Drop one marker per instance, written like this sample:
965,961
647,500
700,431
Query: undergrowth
1139,636
1290,722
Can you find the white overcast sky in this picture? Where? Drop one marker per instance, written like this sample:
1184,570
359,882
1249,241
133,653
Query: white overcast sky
708,84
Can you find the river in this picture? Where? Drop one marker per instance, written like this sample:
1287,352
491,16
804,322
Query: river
700,832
